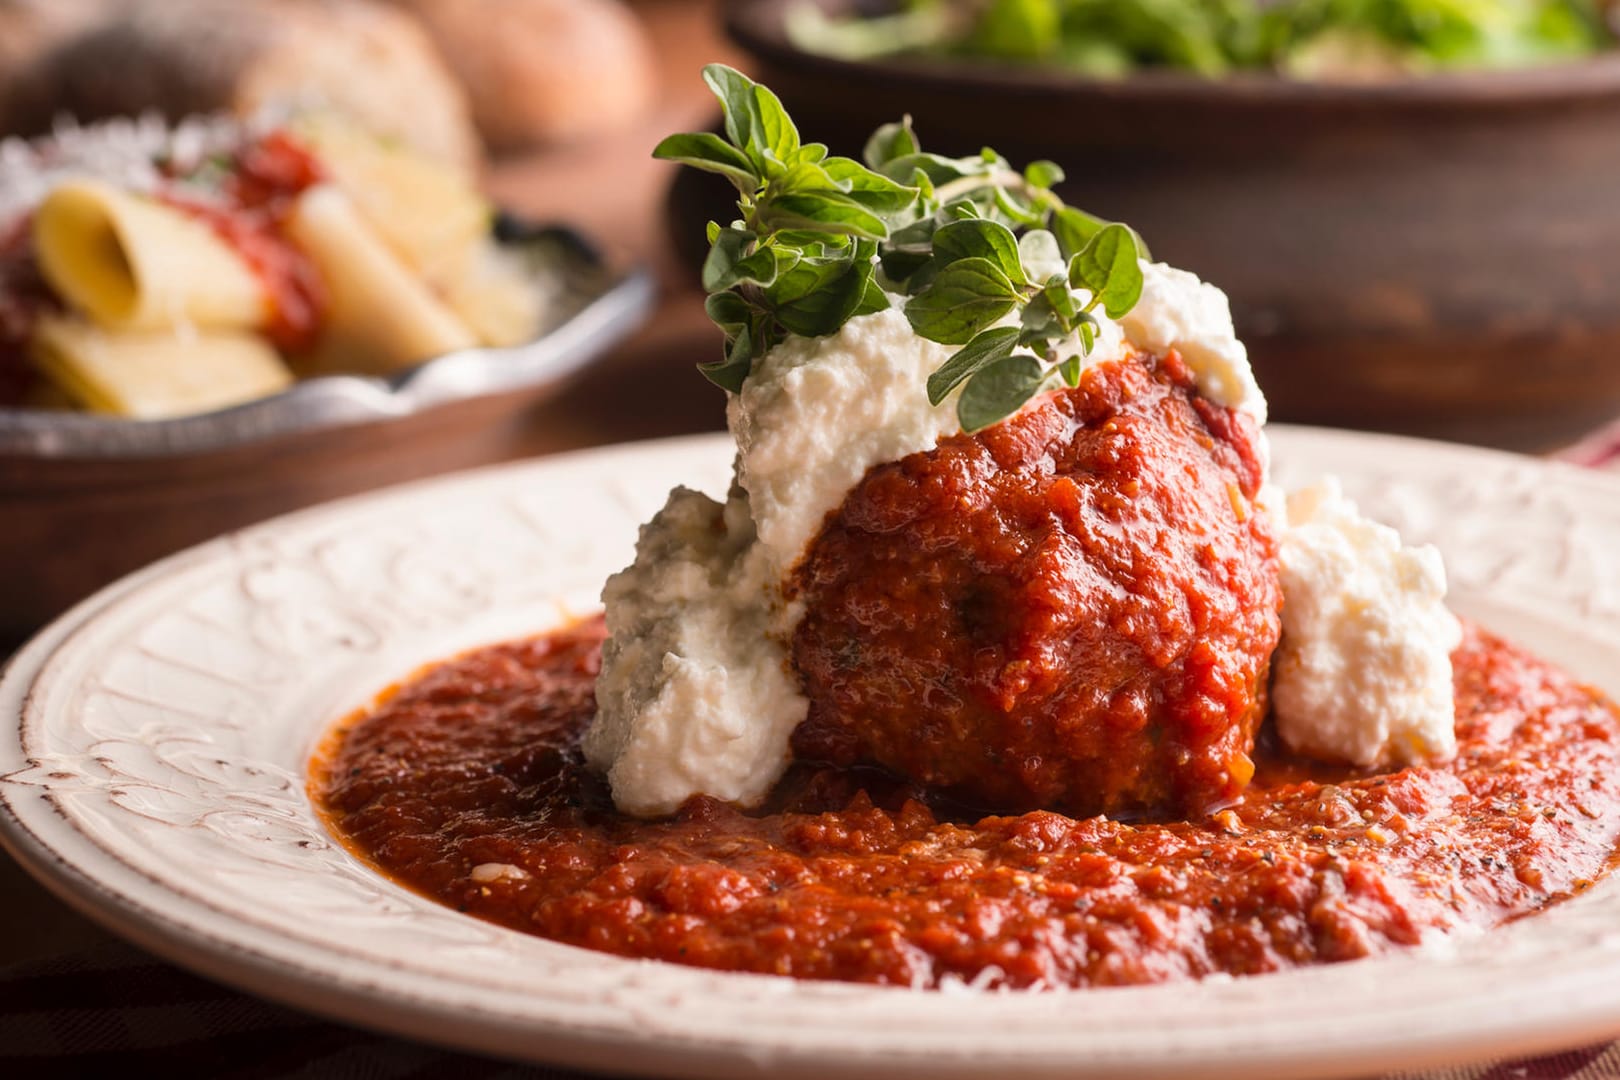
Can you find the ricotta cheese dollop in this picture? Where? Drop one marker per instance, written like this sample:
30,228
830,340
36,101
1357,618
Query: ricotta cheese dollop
697,694
1363,673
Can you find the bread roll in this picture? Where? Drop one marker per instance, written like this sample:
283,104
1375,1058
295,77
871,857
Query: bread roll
179,57
544,70
30,29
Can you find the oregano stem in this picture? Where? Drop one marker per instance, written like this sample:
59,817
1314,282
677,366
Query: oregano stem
1006,179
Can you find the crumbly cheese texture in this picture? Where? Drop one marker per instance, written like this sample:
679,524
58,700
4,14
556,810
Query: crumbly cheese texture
1177,311
1363,673
697,693
816,413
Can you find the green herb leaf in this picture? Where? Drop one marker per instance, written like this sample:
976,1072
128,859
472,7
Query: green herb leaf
902,267
1065,304
873,300
1074,230
938,170
963,299
822,211
872,190
728,311
805,278
732,372
802,176
1040,324
1043,174
709,152
889,142
832,302
998,390
777,131
1018,210
1111,268
1070,370
983,239
813,245
744,127
986,348
1042,258
1088,333
732,261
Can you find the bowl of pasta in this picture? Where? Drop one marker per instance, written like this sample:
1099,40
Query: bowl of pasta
205,324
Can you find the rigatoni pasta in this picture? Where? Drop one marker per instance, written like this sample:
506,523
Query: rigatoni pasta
131,263
380,316
164,276
148,375
426,212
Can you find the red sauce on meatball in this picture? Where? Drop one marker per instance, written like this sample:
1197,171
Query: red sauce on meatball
1074,609
849,875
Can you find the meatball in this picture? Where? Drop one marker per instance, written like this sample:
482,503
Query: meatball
1074,609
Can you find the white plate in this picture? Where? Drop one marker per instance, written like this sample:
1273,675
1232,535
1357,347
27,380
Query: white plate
157,783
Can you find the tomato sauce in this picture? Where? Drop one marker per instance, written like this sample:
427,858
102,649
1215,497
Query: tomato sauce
263,180
466,784
24,297
1074,609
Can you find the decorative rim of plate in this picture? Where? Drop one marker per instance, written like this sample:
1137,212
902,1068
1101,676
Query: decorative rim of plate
155,782
592,309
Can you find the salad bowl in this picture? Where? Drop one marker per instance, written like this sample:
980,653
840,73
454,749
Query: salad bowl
1429,254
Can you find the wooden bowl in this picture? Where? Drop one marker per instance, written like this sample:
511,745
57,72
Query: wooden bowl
1437,255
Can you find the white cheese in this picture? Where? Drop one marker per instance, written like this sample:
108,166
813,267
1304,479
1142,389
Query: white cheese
490,872
817,413
696,693
124,151
1363,674
1177,311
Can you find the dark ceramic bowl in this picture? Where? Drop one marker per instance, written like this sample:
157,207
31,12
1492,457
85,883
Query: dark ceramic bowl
1437,255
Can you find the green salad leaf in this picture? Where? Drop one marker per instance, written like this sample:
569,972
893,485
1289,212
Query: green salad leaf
1310,39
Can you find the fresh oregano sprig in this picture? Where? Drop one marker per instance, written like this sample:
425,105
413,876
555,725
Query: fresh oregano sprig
801,257
989,258
1001,266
